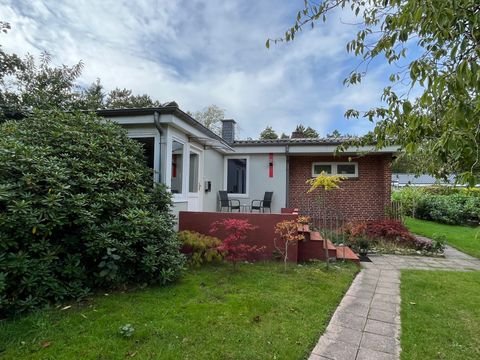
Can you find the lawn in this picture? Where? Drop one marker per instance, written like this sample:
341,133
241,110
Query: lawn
258,312
464,238
440,315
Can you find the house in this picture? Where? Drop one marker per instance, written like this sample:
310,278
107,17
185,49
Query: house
401,180
196,163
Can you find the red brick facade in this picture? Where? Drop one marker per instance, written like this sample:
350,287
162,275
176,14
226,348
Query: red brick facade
362,198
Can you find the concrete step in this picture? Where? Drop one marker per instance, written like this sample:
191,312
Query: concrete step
347,254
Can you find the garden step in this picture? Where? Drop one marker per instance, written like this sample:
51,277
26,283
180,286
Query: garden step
316,236
303,228
332,250
345,253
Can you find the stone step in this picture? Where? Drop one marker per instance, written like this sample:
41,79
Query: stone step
347,254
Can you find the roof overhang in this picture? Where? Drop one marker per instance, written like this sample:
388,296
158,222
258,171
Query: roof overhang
170,115
315,149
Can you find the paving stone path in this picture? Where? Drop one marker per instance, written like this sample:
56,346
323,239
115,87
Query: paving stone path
366,324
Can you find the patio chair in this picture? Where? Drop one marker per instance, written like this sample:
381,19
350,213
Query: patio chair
225,202
261,205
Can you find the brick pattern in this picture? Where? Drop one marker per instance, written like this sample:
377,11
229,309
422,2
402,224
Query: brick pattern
228,130
362,198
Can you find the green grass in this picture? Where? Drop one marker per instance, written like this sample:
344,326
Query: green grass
464,238
440,315
258,312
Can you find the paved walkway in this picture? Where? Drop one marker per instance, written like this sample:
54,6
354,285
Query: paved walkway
366,325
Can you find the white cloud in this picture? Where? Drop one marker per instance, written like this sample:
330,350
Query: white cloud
202,52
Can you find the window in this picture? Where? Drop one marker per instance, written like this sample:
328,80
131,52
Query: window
193,180
318,168
348,169
237,176
177,167
148,148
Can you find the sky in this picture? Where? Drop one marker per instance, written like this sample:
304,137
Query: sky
199,53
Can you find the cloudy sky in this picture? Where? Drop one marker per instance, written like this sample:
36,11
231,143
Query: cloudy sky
205,52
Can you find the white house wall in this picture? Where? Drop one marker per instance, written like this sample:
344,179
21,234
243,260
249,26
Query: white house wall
213,172
259,182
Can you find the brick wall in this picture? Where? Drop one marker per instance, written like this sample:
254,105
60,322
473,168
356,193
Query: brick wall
262,236
362,198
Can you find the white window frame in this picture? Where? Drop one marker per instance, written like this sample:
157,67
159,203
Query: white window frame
132,134
247,174
179,197
334,166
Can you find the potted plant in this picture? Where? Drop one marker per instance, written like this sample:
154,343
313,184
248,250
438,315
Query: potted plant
363,246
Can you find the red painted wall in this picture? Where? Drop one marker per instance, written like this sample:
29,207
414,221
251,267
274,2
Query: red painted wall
262,236
362,198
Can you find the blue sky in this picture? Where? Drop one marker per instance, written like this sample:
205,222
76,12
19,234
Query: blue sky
206,52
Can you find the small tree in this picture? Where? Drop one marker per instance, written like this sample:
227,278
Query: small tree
288,234
268,134
233,245
324,182
211,117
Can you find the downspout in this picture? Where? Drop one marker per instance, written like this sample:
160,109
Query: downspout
287,177
156,121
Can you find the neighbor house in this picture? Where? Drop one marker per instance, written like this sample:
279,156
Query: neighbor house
196,164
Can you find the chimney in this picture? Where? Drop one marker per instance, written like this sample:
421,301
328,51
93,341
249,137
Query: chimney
297,135
228,130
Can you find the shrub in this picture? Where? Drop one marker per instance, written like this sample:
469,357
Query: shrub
233,246
78,211
441,204
380,230
287,231
200,249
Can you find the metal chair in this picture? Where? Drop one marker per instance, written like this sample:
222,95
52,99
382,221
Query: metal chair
261,205
225,202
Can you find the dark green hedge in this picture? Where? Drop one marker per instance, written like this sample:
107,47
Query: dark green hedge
77,212
444,205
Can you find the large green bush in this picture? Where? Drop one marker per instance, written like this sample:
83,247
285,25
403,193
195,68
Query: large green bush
78,211
444,205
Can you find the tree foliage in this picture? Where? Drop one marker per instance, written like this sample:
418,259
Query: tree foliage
124,98
268,133
434,47
78,211
211,117
306,132
234,245
286,235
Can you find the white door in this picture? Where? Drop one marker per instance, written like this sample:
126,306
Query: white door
195,177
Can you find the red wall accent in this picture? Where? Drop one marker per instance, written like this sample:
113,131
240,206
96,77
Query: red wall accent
362,198
262,236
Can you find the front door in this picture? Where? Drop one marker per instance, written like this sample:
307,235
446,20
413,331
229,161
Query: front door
195,180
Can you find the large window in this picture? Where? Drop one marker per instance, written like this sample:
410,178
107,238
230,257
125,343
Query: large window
177,168
347,169
237,175
148,148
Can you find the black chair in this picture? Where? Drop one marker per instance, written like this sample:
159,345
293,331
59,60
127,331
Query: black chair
225,202
261,205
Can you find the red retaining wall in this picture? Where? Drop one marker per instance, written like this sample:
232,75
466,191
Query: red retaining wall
262,236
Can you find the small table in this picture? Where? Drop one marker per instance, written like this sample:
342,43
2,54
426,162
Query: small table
245,207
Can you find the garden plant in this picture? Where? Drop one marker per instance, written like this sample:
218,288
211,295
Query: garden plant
78,212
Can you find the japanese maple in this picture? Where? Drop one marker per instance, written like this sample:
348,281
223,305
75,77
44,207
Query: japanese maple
287,231
234,246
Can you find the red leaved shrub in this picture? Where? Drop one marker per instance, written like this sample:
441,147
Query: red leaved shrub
387,230
234,233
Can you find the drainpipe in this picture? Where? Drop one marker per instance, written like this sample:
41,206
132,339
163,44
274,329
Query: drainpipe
287,177
156,121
